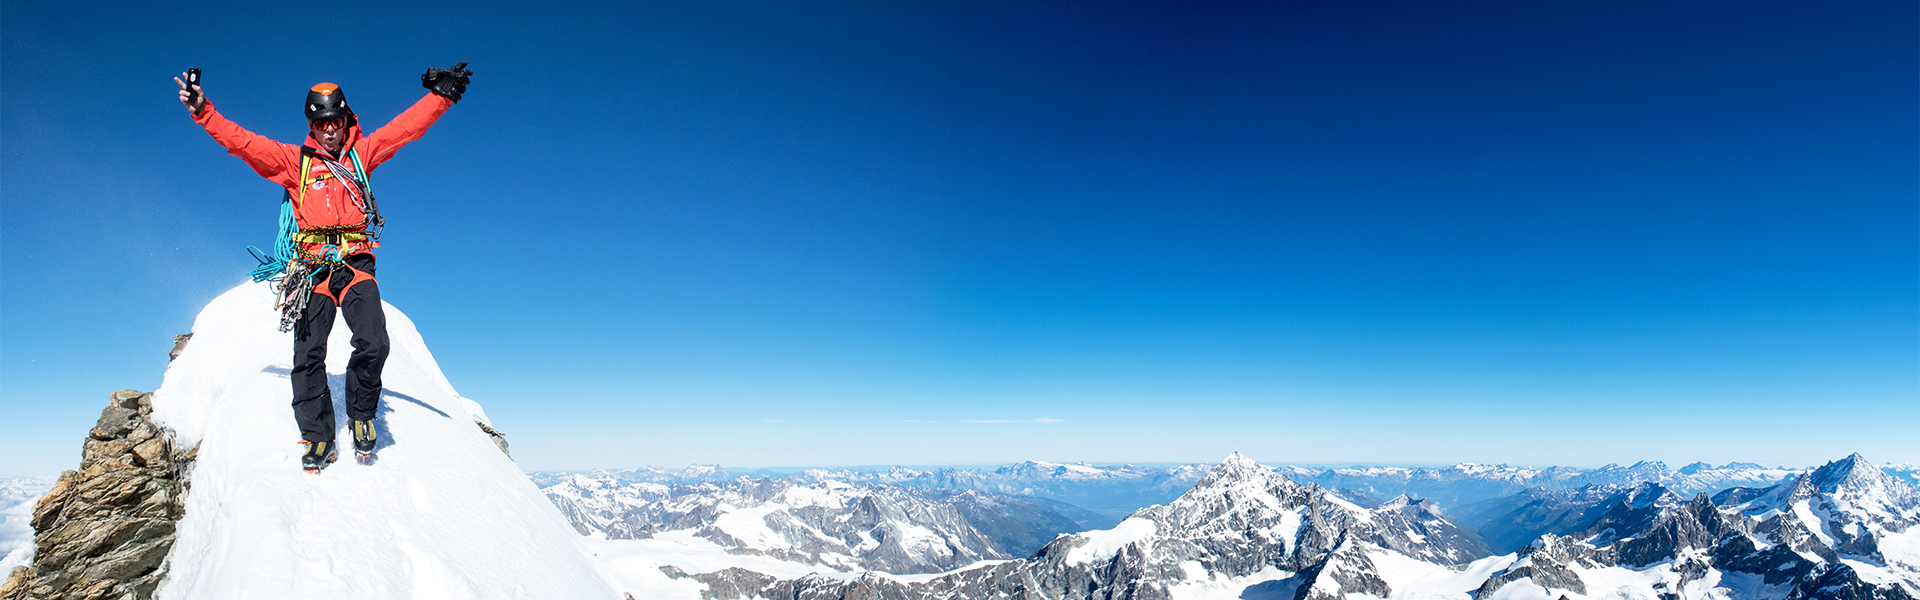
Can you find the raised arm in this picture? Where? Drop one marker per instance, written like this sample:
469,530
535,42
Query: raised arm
273,160
446,85
408,126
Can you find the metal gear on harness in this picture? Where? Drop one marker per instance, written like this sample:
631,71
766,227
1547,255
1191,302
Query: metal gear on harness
291,267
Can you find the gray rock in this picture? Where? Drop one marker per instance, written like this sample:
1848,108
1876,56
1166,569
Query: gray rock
499,439
732,584
1346,571
104,530
1697,524
1546,563
1418,528
115,423
179,345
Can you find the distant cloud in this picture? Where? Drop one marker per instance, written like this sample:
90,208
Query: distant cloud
1039,420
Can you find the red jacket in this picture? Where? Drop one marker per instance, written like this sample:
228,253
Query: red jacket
326,201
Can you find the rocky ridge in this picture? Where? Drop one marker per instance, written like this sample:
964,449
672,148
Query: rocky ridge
1845,509
1817,536
104,530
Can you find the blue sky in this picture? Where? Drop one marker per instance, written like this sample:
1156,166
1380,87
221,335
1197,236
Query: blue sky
836,233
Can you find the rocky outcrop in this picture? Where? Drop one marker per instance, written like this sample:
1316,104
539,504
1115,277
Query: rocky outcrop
732,583
499,439
1346,571
1546,562
104,530
1418,528
179,345
1697,524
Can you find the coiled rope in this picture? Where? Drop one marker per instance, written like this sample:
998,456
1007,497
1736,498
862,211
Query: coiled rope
291,268
284,250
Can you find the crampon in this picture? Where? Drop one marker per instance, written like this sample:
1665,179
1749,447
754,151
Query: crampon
318,456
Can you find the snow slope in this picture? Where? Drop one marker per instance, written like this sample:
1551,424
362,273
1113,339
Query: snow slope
442,514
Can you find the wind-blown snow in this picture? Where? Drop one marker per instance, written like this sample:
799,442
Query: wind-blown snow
443,514
1103,544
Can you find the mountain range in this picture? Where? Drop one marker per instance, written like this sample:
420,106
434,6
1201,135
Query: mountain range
1844,530
1111,492
828,523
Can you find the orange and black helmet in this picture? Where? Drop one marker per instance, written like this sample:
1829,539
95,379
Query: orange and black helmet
327,101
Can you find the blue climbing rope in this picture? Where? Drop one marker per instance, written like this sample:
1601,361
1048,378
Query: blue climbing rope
284,250
292,270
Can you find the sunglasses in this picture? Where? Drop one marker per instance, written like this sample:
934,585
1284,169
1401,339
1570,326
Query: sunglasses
327,124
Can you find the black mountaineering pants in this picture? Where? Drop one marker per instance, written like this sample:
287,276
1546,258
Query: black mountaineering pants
312,401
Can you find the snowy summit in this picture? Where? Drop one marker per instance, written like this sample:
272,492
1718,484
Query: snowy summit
443,513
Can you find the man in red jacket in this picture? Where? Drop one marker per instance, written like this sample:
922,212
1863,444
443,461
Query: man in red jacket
326,183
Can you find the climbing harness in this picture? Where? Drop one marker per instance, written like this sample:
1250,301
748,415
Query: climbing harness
293,269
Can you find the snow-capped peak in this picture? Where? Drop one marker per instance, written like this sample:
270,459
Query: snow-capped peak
1238,467
442,514
1853,476
1852,483
1648,494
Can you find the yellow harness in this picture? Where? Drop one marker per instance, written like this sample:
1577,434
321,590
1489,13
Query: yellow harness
339,235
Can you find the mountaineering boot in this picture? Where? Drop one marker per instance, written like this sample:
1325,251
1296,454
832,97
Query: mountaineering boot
318,455
363,438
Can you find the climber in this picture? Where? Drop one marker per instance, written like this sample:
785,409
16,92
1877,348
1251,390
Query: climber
338,228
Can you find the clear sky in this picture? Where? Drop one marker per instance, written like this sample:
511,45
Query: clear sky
835,233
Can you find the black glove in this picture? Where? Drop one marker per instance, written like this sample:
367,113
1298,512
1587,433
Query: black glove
449,83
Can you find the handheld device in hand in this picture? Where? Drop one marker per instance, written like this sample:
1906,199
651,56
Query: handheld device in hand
193,79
